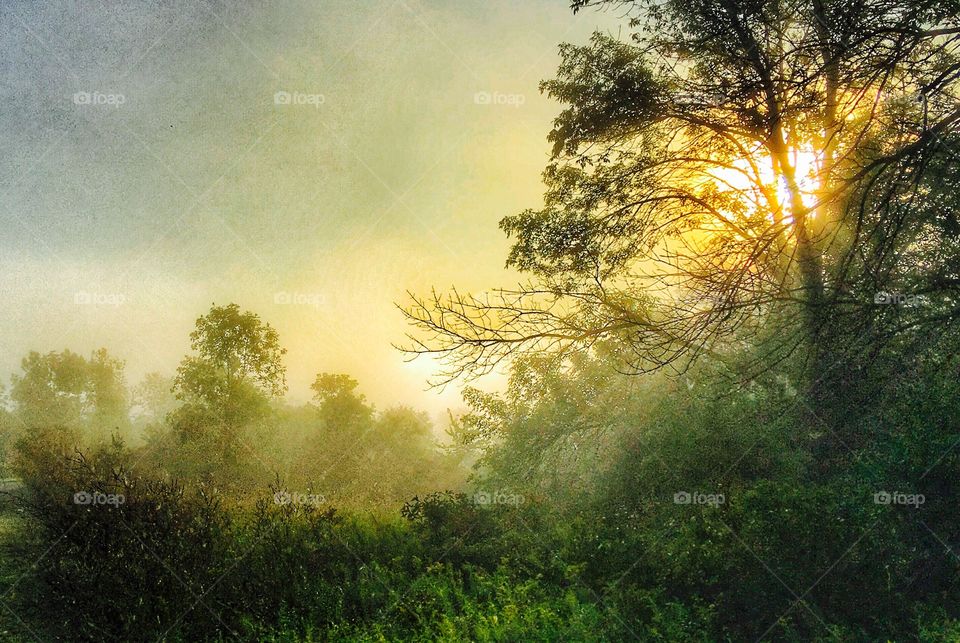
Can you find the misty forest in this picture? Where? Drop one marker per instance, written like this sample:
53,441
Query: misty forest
705,386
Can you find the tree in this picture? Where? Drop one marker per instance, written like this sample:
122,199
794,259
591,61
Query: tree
232,347
735,166
50,389
238,358
155,397
228,383
110,398
63,389
341,406
361,457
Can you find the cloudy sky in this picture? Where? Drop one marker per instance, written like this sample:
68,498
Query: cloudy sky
309,161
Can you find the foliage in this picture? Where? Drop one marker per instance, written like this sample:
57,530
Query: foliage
571,529
727,165
792,476
66,389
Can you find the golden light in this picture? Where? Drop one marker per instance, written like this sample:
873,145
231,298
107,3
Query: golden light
749,179
806,165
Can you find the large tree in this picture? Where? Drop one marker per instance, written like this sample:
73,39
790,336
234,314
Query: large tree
730,163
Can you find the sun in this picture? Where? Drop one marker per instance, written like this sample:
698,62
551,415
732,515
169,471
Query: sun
755,184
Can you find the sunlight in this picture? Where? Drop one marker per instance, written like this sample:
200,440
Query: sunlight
806,164
746,180
583,320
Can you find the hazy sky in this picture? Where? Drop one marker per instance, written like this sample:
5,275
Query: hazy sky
149,169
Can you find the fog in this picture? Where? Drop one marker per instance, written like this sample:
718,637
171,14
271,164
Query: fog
188,185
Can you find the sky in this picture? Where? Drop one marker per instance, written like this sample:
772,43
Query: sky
309,161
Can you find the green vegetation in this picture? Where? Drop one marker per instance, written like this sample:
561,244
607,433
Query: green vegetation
601,507
733,407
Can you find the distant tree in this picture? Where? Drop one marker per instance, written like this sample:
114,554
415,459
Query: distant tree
63,389
232,347
155,397
228,383
360,457
9,431
50,390
237,359
340,404
402,443
335,450
110,398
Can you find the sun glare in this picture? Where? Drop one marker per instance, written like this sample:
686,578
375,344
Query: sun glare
806,166
751,177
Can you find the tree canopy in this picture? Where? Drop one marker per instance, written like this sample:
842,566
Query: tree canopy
728,168
232,347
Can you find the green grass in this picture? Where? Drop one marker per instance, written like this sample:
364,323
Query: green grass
14,568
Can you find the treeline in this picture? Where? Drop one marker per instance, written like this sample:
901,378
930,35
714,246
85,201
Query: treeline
221,421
